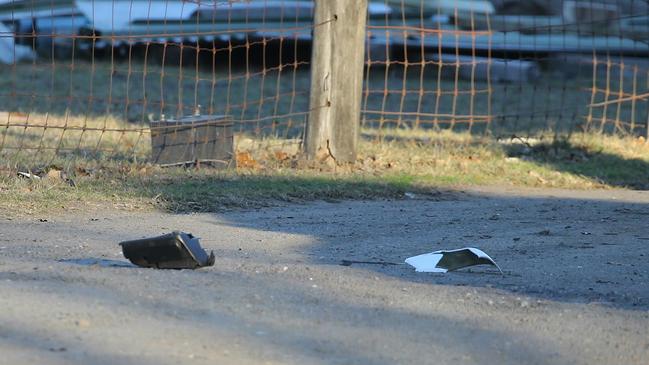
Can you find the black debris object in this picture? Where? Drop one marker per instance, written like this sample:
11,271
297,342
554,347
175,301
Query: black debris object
176,250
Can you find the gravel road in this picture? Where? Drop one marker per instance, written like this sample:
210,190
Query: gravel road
575,289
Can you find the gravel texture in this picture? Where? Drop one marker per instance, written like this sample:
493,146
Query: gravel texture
575,289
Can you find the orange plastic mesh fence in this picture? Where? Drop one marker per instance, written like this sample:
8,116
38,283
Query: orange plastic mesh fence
509,67
89,78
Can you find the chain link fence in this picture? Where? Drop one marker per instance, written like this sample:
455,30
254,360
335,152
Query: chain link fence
95,80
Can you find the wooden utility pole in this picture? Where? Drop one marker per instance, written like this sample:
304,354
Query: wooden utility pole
337,64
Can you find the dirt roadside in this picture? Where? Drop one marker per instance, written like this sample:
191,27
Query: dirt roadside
576,289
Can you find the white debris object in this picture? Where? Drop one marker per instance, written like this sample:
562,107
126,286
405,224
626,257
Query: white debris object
449,260
28,175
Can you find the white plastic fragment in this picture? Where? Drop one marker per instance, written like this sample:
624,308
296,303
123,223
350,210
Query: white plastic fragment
448,260
426,262
28,175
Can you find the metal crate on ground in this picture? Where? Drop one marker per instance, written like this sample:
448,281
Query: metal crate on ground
197,139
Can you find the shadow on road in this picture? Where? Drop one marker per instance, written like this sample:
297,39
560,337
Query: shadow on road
550,246
278,290
607,168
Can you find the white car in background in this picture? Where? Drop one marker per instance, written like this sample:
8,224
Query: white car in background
109,24
116,23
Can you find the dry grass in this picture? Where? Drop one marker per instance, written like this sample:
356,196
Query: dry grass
28,140
269,170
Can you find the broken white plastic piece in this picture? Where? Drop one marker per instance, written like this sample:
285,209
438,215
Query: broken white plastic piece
449,260
28,175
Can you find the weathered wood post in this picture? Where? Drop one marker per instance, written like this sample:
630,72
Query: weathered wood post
647,131
336,79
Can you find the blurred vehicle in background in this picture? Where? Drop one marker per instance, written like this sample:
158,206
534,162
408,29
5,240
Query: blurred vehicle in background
505,29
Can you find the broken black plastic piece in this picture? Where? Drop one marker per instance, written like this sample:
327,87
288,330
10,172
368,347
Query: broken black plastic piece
176,250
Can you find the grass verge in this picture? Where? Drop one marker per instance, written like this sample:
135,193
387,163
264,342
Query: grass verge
270,171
